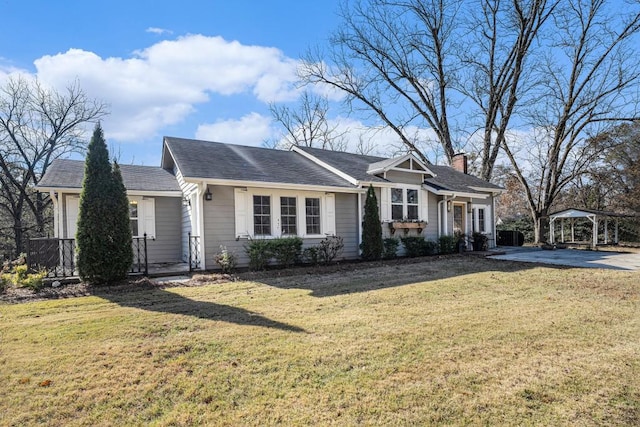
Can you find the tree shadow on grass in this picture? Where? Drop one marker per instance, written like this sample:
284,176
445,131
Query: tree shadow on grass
369,276
163,301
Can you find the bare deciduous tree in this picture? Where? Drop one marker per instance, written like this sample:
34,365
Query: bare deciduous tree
449,65
37,125
307,124
588,83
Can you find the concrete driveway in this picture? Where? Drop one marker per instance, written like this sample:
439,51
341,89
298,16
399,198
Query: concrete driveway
573,257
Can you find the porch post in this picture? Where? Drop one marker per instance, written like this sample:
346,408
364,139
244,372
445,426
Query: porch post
202,188
562,229
359,221
573,237
616,235
56,214
552,223
606,230
595,231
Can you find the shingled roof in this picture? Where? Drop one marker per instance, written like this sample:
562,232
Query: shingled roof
64,173
357,165
215,160
354,165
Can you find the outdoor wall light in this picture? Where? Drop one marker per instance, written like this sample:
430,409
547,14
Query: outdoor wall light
208,195
448,205
469,208
186,201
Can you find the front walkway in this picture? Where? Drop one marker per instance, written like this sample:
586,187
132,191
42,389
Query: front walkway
572,257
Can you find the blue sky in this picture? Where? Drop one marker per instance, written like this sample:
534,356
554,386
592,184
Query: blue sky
193,69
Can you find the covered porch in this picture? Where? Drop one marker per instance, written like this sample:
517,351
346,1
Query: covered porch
567,221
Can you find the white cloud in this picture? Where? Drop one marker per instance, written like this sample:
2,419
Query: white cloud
159,31
162,84
252,129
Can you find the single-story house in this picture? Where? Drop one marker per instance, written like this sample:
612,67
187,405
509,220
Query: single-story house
211,194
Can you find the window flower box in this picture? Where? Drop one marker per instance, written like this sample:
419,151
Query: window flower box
406,226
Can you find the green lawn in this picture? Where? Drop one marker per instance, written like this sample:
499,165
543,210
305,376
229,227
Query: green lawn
446,341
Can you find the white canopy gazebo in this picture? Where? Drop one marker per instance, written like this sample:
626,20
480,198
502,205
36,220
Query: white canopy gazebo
570,215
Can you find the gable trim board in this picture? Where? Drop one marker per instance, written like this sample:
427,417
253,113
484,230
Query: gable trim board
234,174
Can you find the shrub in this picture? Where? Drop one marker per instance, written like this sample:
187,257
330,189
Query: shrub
390,248
448,244
417,246
330,247
33,281
480,242
371,245
286,250
226,260
412,245
259,254
17,274
311,255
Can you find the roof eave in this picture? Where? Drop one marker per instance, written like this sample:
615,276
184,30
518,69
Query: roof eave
269,184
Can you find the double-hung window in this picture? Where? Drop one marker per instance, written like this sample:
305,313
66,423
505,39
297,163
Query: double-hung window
134,220
288,217
412,204
481,223
279,213
262,215
312,207
404,204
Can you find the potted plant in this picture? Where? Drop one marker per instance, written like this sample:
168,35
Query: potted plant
480,242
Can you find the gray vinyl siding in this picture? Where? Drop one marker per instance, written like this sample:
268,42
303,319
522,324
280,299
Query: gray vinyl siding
167,245
404,177
219,225
431,232
185,214
347,223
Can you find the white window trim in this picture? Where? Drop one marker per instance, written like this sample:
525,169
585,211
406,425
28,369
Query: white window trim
476,218
146,216
327,217
405,204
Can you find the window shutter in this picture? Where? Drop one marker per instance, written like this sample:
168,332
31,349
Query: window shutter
385,204
424,205
241,212
330,214
149,217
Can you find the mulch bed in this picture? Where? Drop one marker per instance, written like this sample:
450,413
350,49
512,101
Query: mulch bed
14,295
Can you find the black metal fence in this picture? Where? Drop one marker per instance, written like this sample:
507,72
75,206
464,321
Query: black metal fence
57,256
140,264
194,252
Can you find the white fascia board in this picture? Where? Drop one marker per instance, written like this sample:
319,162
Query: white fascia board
76,190
493,191
365,184
436,191
327,166
58,189
155,193
277,185
455,193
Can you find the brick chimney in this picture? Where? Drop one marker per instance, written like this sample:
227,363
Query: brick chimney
459,162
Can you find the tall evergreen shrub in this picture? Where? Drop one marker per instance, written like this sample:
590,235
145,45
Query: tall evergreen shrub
103,238
371,228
